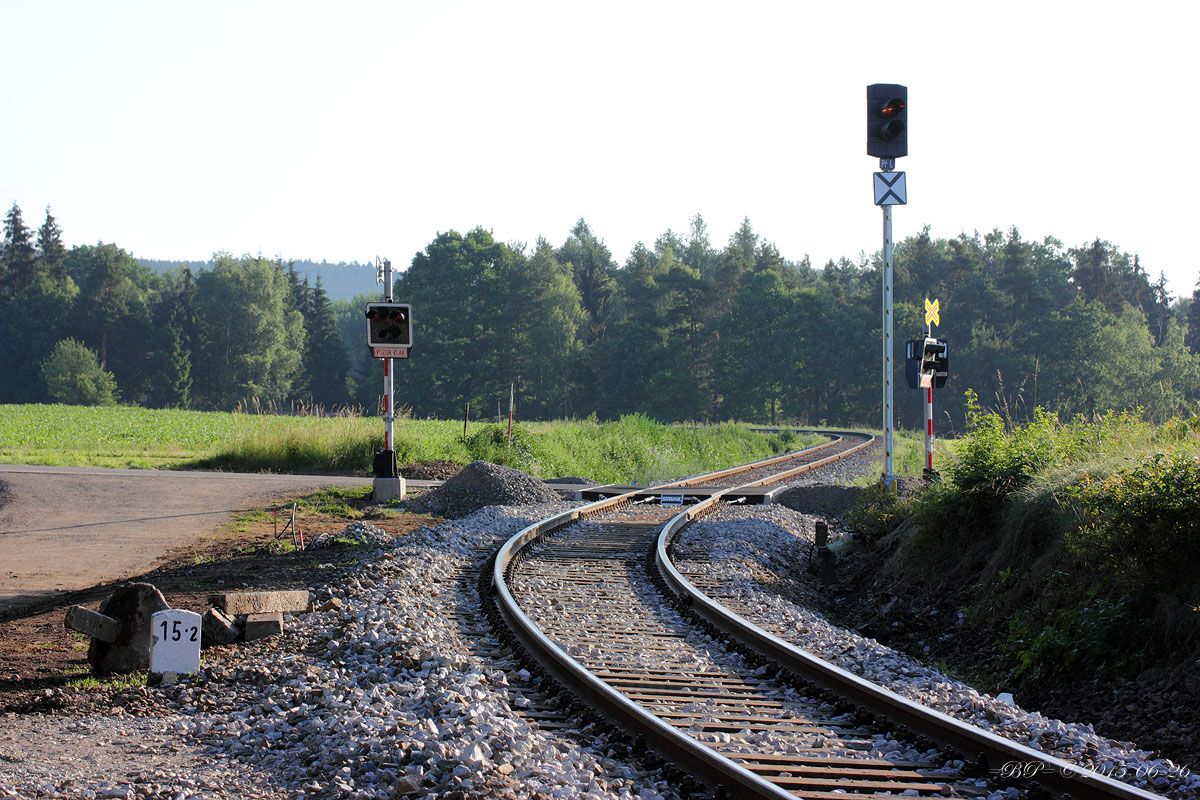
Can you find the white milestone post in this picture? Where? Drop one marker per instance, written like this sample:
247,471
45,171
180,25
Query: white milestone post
174,645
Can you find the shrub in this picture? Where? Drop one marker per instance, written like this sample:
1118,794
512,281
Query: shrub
73,375
492,444
1141,524
876,513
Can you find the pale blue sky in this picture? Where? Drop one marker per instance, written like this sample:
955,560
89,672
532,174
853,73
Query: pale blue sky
345,130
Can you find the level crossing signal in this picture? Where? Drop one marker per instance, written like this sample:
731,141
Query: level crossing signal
389,324
928,363
887,120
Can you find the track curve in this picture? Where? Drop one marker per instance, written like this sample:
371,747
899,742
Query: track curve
594,617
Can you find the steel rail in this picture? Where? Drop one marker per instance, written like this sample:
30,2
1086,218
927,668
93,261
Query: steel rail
835,438
1056,774
685,751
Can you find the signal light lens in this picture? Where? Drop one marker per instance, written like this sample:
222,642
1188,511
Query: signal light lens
891,108
889,131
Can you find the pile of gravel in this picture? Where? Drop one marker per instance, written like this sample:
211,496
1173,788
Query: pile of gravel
356,532
482,484
430,470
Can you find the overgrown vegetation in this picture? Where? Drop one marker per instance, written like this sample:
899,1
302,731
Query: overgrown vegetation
632,448
1079,541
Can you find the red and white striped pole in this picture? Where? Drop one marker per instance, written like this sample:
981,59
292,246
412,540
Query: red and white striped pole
388,418
929,427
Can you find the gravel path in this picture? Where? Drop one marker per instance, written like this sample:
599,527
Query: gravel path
749,558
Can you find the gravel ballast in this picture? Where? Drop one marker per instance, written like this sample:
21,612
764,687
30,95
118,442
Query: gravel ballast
398,693
482,484
745,549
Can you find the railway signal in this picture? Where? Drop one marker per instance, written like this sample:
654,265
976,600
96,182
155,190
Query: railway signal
887,120
389,335
887,140
389,325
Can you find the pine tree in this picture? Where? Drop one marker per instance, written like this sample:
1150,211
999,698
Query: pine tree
17,257
182,329
1160,309
180,367
324,354
1193,322
51,253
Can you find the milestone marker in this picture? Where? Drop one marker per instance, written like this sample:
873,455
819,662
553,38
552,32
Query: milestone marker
175,643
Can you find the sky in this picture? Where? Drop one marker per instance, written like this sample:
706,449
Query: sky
345,131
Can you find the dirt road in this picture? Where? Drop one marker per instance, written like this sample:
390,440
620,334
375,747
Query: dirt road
67,528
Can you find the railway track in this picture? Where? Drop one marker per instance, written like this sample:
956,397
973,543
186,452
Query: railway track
602,609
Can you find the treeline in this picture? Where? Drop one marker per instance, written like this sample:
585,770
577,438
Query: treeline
682,330
91,325
342,280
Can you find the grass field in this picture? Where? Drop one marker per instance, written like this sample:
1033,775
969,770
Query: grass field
630,449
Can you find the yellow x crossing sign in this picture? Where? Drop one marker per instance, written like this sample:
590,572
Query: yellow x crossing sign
933,312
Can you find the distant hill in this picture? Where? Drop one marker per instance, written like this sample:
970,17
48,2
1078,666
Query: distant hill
342,281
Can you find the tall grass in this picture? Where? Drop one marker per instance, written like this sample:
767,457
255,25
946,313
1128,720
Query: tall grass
631,449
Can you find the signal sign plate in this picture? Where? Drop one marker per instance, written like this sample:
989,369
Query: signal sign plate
670,500
389,351
891,189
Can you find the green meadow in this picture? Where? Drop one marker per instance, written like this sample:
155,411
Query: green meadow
633,448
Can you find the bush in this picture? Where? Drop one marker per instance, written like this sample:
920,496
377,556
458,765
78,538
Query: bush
73,375
492,444
1141,525
876,513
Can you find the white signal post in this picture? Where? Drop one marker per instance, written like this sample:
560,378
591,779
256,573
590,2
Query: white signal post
890,190
887,140
392,486
889,474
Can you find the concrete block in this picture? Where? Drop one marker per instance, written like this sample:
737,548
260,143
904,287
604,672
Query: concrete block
217,627
133,604
260,626
90,623
386,489
236,604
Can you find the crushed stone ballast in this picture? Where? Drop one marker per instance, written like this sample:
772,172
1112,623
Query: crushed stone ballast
594,619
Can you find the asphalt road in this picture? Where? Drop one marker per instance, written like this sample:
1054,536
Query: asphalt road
68,528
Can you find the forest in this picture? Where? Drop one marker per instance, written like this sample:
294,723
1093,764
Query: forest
682,330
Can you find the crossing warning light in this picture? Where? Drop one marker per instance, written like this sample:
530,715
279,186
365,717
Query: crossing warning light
389,324
928,363
887,120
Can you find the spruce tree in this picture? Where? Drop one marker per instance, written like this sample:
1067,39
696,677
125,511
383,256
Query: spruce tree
324,352
51,254
17,256
1193,322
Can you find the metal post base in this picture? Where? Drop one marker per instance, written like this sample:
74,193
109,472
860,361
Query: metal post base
386,489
